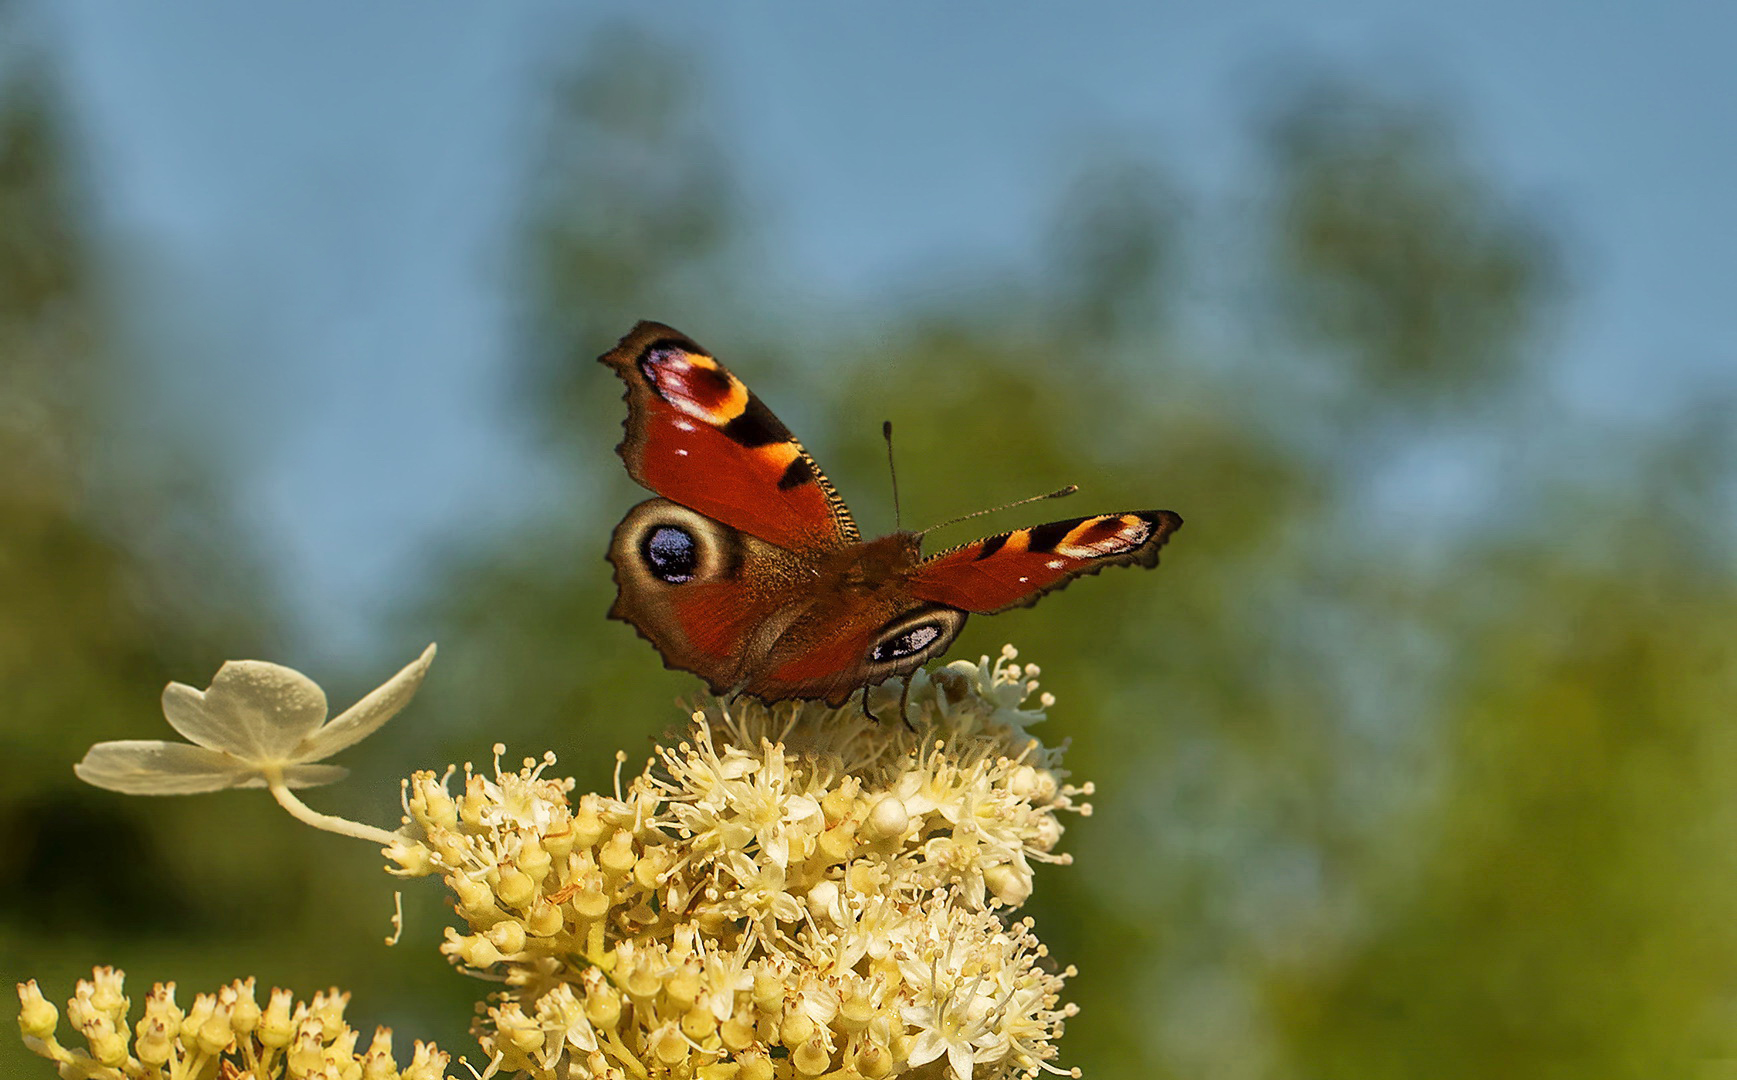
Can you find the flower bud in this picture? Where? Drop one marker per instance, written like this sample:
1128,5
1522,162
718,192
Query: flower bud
106,996
533,857
1047,833
811,1058
37,1019
107,1045
795,1029
888,820
544,919
276,1027
478,951
668,1046
476,901
413,859
699,1024
756,1066
825,903
377,1063
588,825
602,1005
768,992
651,867
203,1006
873,1060
307,1054
244,1012
1044,787
838,842
508,936
154,1045
737,1033
617,855
515,888
1007,884
684,987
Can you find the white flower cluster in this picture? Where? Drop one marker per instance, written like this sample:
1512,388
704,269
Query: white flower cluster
794,891
225,1034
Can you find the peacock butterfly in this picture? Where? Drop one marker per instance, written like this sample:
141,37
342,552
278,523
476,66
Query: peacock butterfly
749,572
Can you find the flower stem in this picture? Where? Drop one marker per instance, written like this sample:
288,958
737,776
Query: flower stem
309,816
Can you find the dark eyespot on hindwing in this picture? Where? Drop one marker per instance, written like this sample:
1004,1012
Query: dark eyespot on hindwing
670,554
908,642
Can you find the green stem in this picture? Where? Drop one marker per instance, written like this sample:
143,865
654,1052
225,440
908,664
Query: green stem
309,816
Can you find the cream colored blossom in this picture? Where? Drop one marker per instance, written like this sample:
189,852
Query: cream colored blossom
220,1035
780,893
257,725
792,891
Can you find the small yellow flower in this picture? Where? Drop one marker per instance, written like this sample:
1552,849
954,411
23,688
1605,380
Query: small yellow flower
257,725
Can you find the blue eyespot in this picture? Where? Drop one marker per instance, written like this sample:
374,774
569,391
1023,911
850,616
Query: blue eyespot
670,554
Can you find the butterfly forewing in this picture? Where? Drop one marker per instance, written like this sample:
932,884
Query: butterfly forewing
697,435
1015,568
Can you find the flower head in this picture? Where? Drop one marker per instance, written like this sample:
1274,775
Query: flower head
223,1034
792,884
257,725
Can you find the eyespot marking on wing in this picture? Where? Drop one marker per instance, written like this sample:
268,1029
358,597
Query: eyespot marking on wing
693,383
1094,538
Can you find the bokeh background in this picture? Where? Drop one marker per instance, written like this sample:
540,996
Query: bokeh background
1415,759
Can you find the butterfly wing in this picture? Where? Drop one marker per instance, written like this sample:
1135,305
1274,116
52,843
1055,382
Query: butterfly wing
1015,568
740,612
698,436
841,644
712,599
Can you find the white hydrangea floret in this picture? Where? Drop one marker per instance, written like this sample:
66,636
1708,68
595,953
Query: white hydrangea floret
256,724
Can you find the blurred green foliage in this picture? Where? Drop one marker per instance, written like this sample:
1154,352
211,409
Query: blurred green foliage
1387,787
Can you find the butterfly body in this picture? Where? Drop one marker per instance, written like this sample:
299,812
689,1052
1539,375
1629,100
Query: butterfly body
749,570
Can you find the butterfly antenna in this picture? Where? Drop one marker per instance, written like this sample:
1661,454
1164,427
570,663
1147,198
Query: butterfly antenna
1056,494
887,434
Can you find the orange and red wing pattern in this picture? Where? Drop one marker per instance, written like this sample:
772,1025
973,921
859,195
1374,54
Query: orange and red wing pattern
698,436
1015,568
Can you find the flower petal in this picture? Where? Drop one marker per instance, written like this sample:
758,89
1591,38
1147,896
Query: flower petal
959,1056
365,717
929,1044
254,710
154,767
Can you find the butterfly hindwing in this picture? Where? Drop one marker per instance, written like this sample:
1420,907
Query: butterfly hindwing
842,643
711,598
698,436
1014,569
735,610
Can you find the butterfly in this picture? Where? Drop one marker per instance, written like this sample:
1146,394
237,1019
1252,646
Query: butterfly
748,570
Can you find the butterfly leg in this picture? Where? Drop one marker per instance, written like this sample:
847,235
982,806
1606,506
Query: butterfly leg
735,692
905,704
865,708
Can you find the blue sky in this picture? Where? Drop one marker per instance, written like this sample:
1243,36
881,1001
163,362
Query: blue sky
320,191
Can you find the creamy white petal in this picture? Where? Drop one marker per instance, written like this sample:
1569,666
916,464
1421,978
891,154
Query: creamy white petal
251,710
960,1058
929,1044
154,767
365,717
277,707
